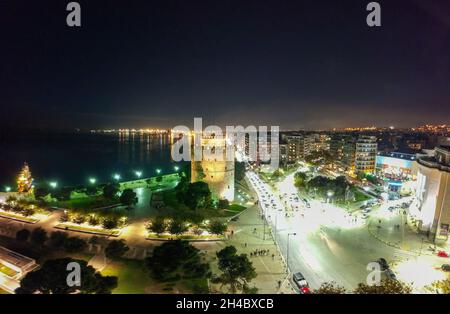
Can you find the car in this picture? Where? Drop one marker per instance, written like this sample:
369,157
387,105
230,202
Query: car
445,267
442,254
300,281
383,263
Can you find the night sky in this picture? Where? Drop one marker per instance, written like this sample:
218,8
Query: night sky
297,64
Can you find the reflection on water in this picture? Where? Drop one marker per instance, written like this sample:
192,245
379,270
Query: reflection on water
71,159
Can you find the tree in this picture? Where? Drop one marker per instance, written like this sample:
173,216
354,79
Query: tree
223,204
300,179
110,223
41,192
174,260
64,217
177,226
79,219
441,286
39,236
51,278
116,249
58,238
158,225
237,270
330,288
386,286
93,220
128,197
159,179
217,227
27,211
62,194
74,244
197,195
22,235
110,190
25,180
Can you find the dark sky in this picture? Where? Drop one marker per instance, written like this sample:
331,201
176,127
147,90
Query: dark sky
297,64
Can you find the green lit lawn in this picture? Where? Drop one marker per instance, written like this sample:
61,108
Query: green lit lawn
132,277
86,202
360,196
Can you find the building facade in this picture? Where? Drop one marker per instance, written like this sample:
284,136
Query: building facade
365,154
298,147
431,206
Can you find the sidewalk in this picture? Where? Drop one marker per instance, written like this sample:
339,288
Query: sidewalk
270,270
397,231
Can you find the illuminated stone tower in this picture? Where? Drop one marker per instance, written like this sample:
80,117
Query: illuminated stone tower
218,173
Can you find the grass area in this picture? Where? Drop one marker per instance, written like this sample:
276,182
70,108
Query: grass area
87,229
18,217
185,236
7,271
87,202
132,276
177,209
360,196
54,254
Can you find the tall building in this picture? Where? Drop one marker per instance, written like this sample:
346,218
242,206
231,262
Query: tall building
218,173
337,143
298,147
431,207
365,154
348,154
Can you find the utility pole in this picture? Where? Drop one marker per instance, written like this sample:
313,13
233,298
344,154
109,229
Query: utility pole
287,251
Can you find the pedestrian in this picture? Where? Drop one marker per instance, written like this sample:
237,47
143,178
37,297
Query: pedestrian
279,284
273,256
245,244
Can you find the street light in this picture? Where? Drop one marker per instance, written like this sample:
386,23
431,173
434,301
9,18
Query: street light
116,177
92,180
53,184
287,253
7,188
176,168
158,171
138,174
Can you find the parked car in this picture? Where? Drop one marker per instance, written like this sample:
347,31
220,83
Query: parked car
445,267
442,254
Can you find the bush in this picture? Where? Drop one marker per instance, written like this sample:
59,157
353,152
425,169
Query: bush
217,227
93,220
157,226
110,223
79,219
177,227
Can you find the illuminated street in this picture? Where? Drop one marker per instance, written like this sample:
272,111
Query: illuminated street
331,245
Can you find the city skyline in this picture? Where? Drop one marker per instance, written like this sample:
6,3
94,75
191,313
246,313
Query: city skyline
297,65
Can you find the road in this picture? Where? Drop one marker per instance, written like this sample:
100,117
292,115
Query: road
330,244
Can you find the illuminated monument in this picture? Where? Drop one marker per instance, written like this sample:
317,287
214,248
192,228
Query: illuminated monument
215,168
